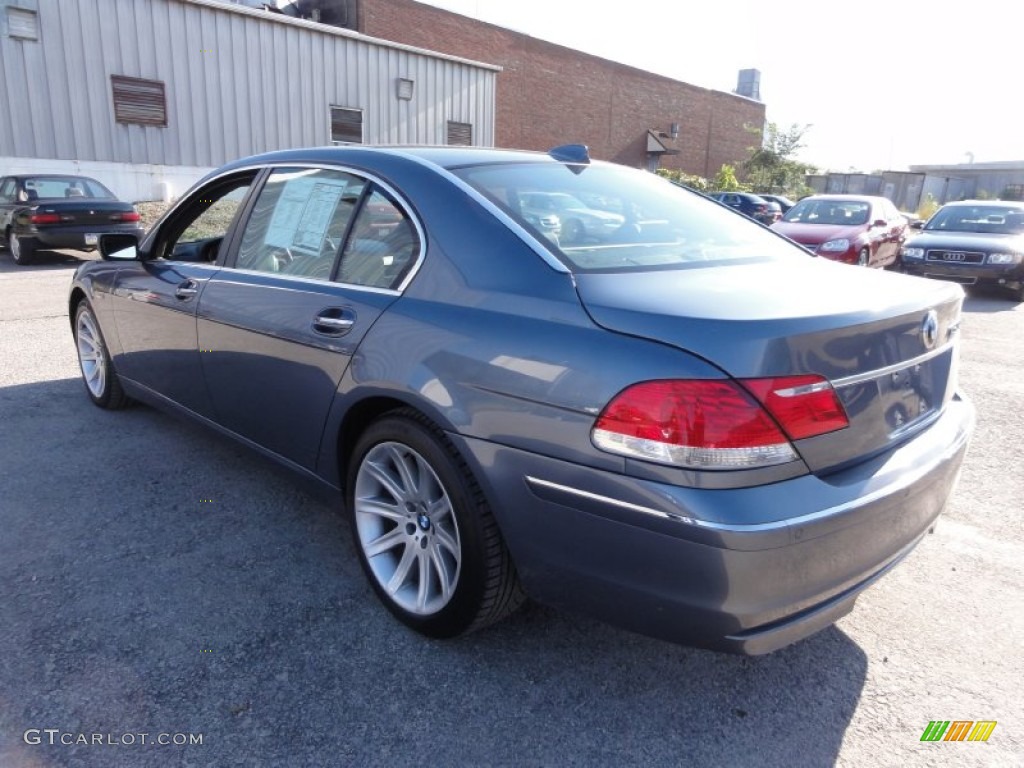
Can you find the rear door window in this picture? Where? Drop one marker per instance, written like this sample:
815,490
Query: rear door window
383,245
299,222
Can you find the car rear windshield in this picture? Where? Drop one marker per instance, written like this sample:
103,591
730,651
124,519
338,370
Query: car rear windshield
611,218
994,219
852,212
66,186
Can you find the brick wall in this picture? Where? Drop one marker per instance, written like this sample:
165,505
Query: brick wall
548,94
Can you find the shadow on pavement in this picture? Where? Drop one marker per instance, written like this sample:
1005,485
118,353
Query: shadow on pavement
985,299
45,261
157,578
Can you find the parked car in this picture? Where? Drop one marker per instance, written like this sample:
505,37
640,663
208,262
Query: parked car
855,229
782,201
578,222
548,224
750,205
45,212
694,431
972,243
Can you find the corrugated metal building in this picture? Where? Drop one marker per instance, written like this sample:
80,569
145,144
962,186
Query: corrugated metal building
147,95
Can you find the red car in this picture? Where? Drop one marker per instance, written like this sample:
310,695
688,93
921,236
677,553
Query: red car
856,229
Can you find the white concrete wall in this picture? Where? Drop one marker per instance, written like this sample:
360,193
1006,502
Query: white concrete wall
132,182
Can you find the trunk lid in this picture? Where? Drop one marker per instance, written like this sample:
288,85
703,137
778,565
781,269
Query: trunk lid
866,331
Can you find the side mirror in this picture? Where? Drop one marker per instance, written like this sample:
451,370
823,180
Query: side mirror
879,223
917,224
119,247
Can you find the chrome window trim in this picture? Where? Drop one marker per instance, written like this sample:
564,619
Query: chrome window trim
534,244
859,378
308,280
405,205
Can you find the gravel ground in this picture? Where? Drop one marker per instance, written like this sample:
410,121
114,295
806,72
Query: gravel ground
158,579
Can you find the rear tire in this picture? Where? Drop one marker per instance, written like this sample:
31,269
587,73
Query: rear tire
22,249
425,535
98,374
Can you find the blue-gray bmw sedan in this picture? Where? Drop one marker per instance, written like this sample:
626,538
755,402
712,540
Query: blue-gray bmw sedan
683,424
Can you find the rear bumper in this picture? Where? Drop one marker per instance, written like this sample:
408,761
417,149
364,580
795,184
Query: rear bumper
75,237
668,561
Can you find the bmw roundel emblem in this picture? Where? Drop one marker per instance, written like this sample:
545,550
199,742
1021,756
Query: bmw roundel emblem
930,329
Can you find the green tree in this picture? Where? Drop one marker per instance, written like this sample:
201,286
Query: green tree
726,181
773,167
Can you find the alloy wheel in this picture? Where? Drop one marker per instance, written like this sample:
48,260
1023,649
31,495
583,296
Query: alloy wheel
407,528
91,354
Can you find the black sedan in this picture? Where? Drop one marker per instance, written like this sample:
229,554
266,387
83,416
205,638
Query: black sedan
754,206
690,428
972,243
45,212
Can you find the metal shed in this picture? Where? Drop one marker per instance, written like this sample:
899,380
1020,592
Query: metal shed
148,95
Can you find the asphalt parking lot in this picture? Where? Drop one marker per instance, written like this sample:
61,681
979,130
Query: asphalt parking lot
157,579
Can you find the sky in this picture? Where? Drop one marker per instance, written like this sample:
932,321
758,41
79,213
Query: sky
881,85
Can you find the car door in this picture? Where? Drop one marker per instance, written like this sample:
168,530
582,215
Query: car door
154,300
318,260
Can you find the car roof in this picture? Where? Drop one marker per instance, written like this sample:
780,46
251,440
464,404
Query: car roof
29,176
852,198
445,157
1001,203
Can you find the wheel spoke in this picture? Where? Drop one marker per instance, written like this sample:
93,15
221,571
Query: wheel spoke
445,539
384,543
381,475
439,509
380,508
402,463
422,589
443,578
401,571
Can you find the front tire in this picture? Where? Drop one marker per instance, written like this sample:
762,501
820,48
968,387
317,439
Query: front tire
425,535
863,257
22,249
572,231
98,375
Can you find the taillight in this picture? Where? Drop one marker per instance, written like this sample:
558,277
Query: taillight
126,216
45,218
804,406
716,423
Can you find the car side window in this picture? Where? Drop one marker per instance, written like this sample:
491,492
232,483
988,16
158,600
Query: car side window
299,221
197,231
383,245
7,191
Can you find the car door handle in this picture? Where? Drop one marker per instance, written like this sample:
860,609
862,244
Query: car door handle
334,321
186,290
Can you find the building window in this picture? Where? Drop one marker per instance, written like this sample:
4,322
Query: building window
346,125
137,101
22,23
460,134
